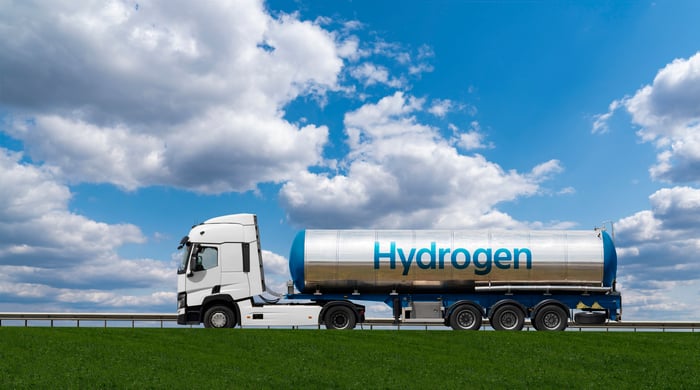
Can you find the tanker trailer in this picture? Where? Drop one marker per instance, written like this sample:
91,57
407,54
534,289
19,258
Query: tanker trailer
451,277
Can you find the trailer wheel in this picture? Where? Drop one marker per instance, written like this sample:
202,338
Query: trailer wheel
551,318
340,317
590,318
508,317
219,317
466,317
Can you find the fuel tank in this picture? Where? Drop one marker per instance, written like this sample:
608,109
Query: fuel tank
449,261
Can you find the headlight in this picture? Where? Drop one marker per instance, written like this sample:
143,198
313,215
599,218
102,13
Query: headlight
181,300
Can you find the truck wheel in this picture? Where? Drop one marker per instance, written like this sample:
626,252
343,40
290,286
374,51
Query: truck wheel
340,317
219,317
551,318
465,317
590,318
508,317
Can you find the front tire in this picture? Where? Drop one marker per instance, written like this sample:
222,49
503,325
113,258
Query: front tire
465,317
340,317
219,317
508,317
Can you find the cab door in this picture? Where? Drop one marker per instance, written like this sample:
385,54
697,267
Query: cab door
204,273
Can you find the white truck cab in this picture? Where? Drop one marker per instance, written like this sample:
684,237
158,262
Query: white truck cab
221,281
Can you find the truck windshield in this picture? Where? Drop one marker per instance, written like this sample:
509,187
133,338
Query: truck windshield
184,252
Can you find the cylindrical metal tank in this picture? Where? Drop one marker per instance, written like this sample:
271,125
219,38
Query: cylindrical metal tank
381,261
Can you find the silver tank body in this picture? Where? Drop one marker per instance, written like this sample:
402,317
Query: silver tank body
371,261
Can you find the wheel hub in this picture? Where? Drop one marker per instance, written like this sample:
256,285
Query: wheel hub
551,320
465,319
340,321
508,320
218,320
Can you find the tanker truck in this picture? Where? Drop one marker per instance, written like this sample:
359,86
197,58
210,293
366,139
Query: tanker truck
456,278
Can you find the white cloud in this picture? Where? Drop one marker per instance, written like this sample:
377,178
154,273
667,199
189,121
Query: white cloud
349,49
370,74
419,68
53,299
655,251
83,151
678,207
472,139
655,244
653,300
669,116
440,107
38,194
546,169
137,97
567,191
159,93
141,95
401,173
600,125
275,264
425,52
49,254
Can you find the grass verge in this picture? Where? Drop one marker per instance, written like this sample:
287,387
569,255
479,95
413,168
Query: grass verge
320,359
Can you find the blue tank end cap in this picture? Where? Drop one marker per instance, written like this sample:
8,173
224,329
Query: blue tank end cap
609,261
296,260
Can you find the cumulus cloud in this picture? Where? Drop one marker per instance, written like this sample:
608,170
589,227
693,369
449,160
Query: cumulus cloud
657,269
194,97
668,115
656,247
472,139
276,265
440,107
673,216
600,124
137,96
649,300
371,74
49,254
160,93
402,173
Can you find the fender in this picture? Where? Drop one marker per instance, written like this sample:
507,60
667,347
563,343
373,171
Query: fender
502,302
547,302
220,299
457,304
449,310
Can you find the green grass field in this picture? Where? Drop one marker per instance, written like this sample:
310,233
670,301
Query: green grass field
92,358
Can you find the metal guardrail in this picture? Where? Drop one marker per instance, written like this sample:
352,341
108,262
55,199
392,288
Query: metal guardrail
370,323
89,317
630,326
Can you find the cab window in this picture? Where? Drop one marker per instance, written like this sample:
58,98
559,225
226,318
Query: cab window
207,258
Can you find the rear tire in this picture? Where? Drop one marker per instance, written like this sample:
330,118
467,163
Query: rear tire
508,317
590,318
219,317
340,317
466,317
551,318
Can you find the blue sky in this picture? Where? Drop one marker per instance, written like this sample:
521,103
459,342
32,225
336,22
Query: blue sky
124,123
